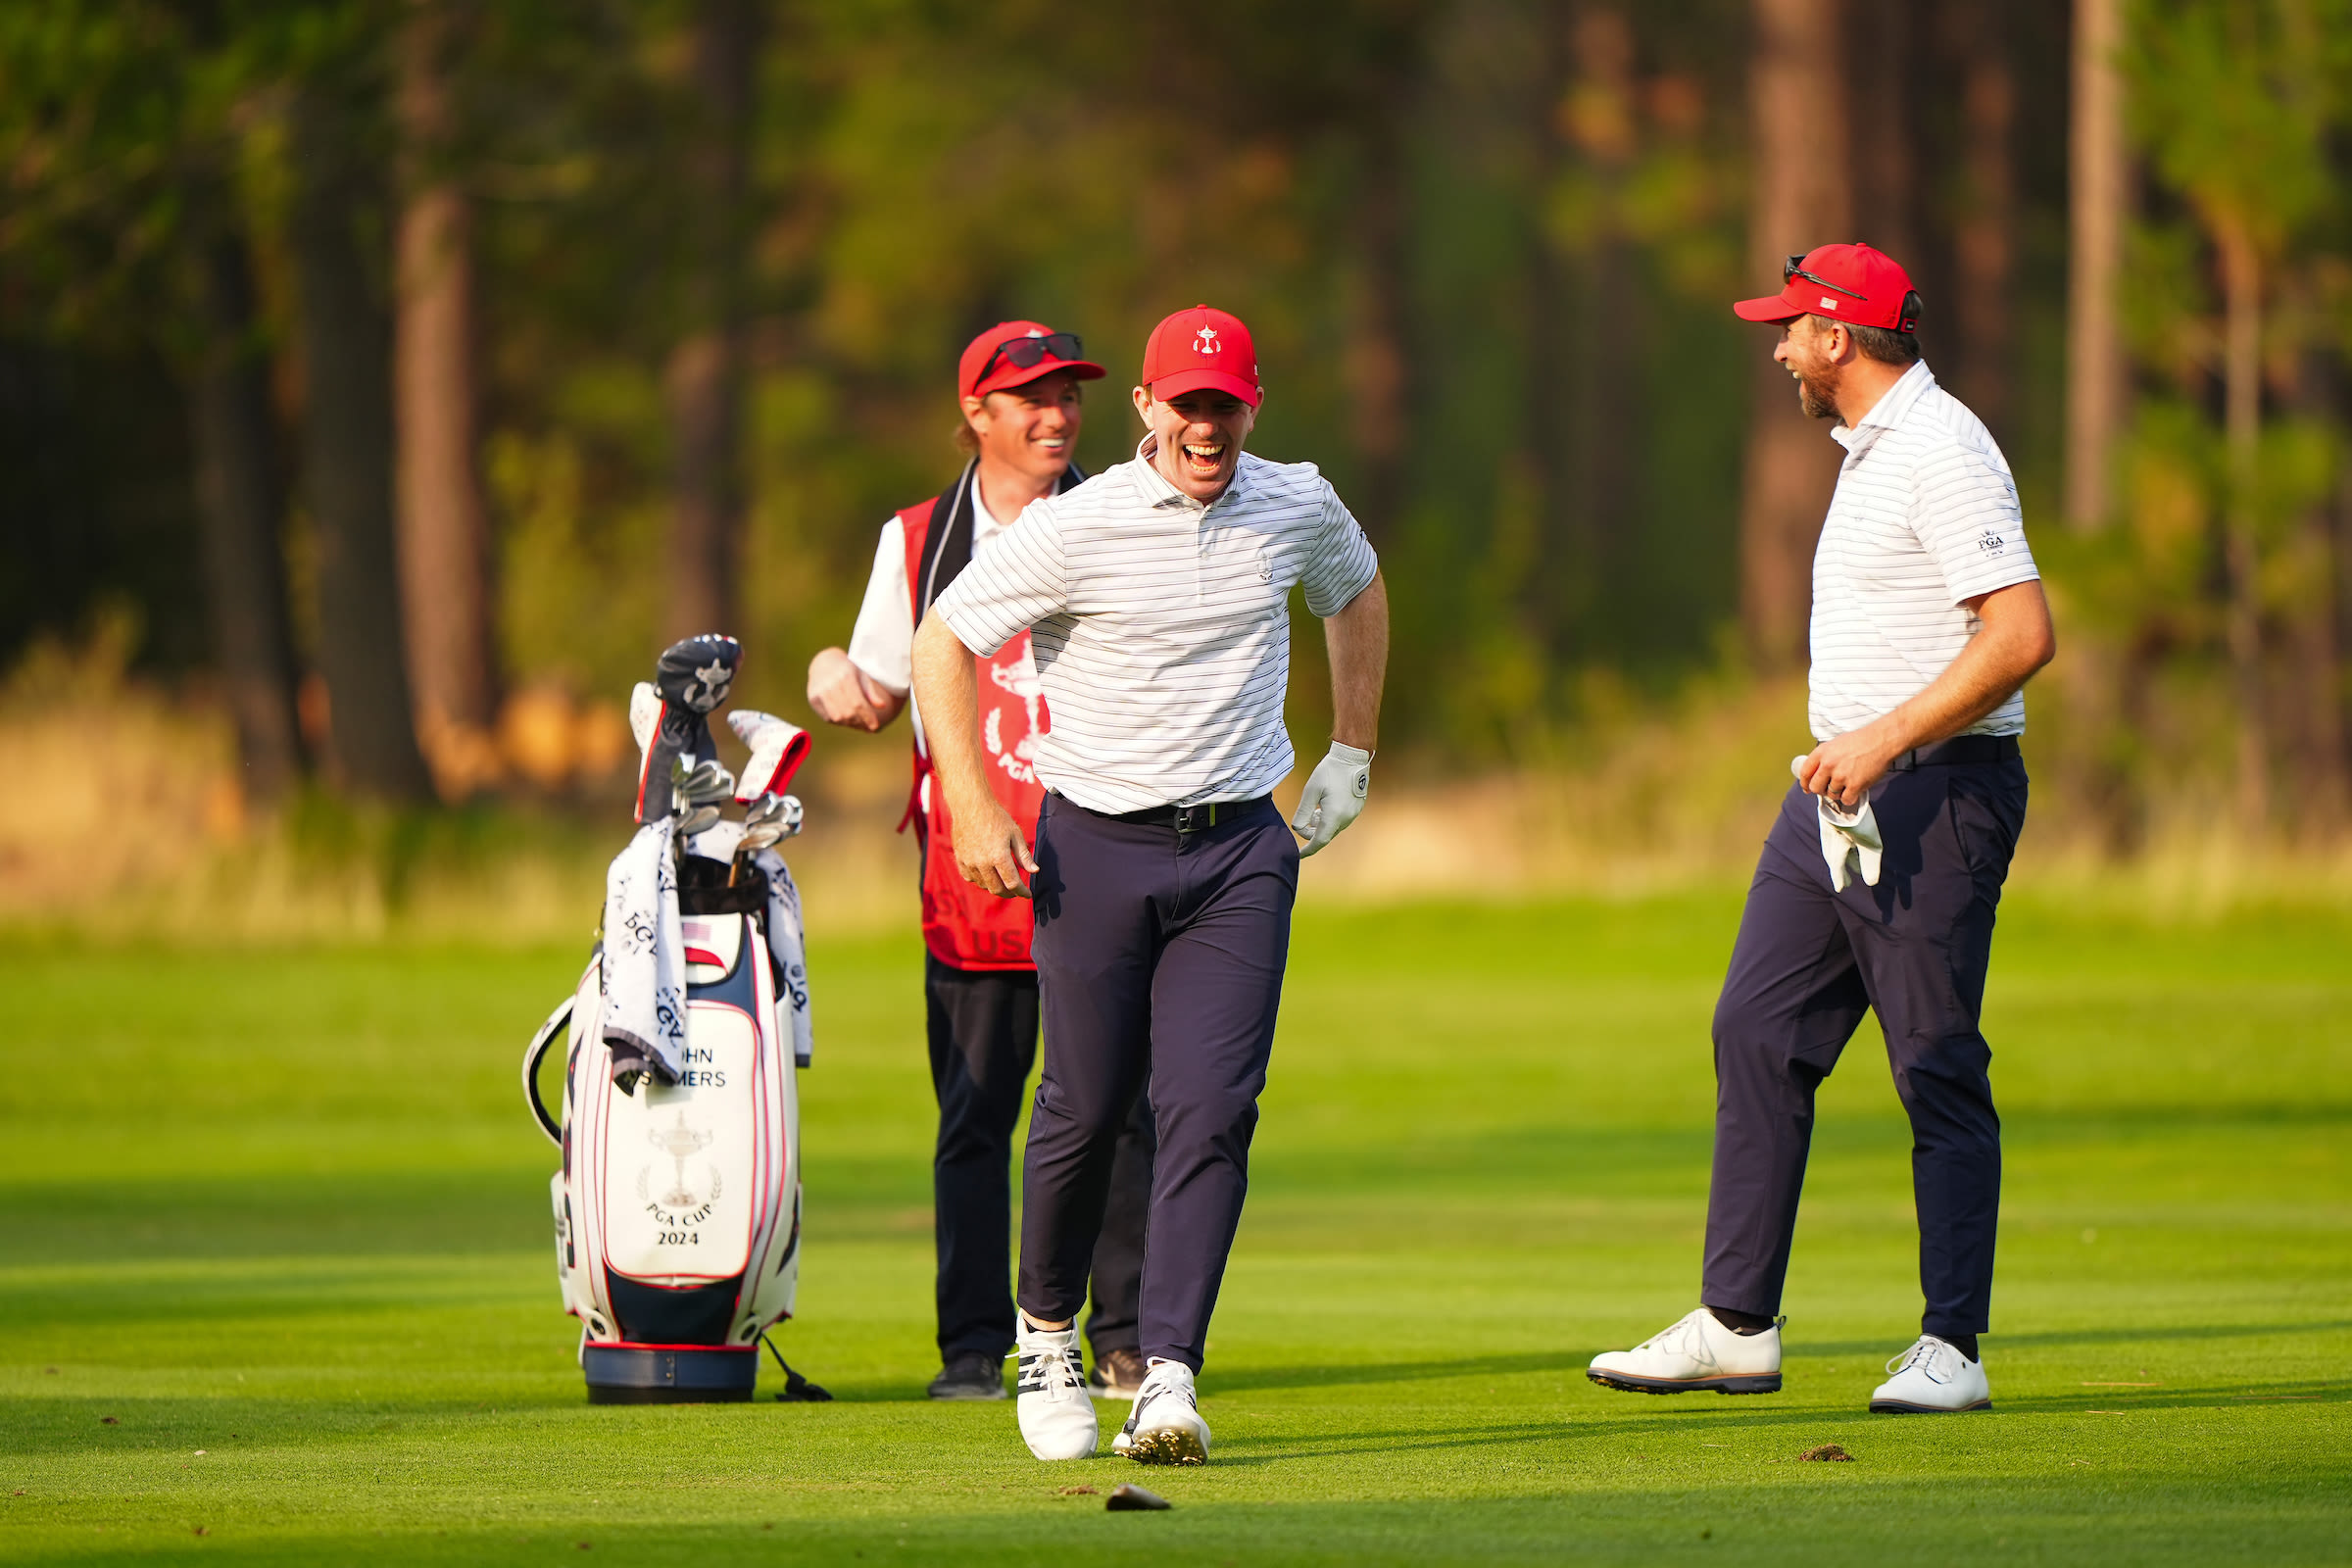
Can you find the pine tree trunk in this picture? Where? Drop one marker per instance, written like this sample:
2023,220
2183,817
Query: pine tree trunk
2241,376
704,379
1375,352
444,520
1591,484
2098,197
1797,90
1984,235
241,505
2319,672
2339,677
1883,76
347,432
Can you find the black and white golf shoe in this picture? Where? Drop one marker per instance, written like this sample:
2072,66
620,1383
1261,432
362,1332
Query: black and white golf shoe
1167,1426
1057,1416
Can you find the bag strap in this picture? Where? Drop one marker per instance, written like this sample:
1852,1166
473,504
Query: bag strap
557,1027
948,546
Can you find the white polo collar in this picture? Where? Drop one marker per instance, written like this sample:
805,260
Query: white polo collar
1891,409
984,521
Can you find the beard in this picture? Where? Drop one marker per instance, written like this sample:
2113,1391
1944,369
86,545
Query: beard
1817,394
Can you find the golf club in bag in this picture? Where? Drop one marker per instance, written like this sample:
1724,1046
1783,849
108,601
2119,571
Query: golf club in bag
678,1208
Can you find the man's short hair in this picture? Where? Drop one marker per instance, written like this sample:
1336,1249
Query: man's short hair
967,439
1881,343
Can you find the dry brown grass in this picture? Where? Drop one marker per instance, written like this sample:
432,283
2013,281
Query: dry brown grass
121,813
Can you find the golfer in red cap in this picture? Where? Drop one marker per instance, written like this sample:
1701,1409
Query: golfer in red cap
1879,880
1019,382
1163,877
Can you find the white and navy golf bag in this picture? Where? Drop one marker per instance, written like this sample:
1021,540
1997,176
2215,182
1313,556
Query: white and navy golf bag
677,1209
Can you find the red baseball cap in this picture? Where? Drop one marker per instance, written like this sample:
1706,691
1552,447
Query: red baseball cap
1844,282
1202,347
987,363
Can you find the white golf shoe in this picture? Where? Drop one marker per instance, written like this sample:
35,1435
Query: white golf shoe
1696,1352
1057,1418
1167,1426
1932,1377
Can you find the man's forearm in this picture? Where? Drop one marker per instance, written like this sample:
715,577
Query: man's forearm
2011,644
2013,640
1357,640
947,693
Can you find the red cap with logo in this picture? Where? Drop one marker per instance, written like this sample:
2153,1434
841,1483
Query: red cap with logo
1013,354
1846,282
1202,347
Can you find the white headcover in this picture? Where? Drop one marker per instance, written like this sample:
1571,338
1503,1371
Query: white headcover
778,748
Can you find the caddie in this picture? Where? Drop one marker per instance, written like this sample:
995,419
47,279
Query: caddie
1163,876
1022,414
1879,880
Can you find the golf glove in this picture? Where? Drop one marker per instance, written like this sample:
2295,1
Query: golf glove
1850,841
1333,798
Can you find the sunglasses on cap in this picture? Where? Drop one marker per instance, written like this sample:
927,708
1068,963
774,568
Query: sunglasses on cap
1794,267
1913,304
1023,353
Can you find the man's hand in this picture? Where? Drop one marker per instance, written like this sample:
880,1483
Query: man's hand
1844,766
840,693
1333,798
2013,640
990,850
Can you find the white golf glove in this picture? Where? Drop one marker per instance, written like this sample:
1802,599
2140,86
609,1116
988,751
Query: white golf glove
1333,798
1850,841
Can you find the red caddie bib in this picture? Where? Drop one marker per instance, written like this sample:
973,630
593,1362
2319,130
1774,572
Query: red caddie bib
962,925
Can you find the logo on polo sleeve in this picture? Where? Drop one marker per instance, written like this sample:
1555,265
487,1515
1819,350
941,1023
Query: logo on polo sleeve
1992,542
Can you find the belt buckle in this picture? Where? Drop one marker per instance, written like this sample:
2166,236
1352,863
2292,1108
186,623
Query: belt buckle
1192,818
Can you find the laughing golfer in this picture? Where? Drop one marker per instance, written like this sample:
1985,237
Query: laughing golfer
1022,410
1877,887
1163,877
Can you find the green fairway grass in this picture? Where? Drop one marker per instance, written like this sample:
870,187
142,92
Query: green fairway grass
277,1286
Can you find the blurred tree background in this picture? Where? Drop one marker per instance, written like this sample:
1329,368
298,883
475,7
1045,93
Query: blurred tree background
396,375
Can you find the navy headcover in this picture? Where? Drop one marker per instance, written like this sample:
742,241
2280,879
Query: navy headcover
693,676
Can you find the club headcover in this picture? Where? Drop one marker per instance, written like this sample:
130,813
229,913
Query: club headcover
778,748
696,672
691,678
645,713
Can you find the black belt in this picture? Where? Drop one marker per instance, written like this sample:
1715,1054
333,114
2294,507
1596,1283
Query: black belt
1959,749
1183,819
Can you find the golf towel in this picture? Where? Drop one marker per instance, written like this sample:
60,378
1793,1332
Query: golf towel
785,947
644,959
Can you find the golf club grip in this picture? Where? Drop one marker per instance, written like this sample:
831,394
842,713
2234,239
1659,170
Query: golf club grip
558,1025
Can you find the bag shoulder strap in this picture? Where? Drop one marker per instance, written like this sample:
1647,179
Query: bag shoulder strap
948,537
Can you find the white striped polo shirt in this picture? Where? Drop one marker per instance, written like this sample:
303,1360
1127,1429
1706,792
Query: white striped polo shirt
1924,515
1162,628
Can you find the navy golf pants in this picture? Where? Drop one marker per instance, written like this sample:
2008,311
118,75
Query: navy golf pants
1808,963
983,1036
1160,960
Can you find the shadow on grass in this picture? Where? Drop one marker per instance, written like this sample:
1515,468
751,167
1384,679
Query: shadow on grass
2134,1335
1339,1374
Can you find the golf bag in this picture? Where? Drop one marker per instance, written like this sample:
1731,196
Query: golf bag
677,1207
